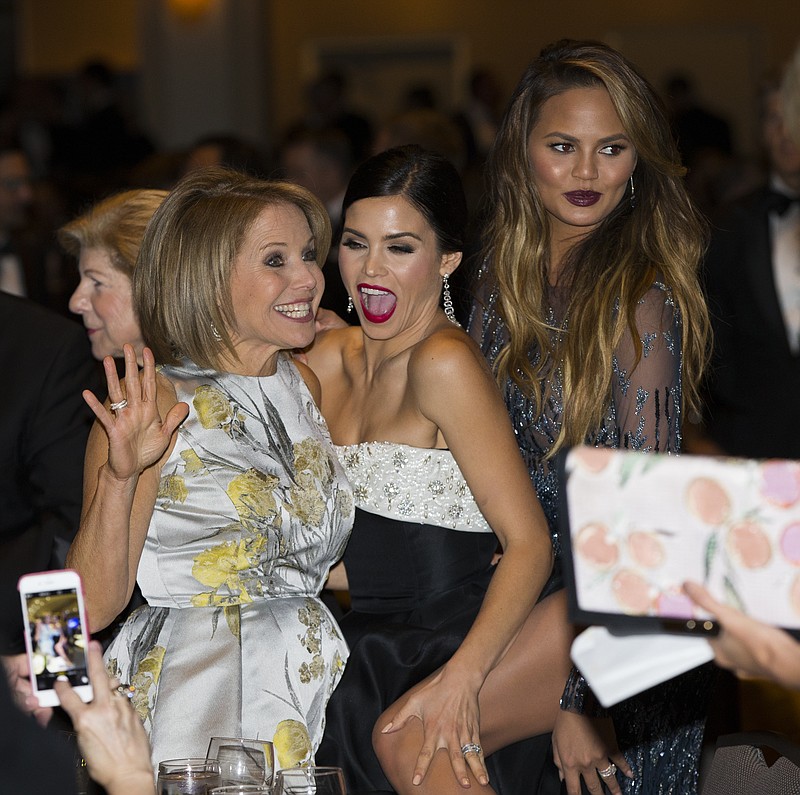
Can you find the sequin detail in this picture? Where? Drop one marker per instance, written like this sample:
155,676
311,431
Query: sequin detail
661,730
411,484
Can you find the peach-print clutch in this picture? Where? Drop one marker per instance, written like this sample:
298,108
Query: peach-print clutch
639,525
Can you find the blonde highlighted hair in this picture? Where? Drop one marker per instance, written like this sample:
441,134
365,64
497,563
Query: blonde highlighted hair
116,225
181,285
661,238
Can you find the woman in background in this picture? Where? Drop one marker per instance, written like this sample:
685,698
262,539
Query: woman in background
106,241
594,322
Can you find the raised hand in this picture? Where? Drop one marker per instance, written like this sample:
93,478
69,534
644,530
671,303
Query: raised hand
585,748
447,706
137,435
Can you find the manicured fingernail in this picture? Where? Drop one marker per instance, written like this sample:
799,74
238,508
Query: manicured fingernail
62,678
417,779
465,782
484,780
386,728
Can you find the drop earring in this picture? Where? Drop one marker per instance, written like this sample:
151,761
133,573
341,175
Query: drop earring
633,194
349,304
215,333
448,299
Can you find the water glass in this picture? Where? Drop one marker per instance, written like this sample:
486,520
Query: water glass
310,781
192,776
242,761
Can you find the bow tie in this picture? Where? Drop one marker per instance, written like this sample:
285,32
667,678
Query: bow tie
779,202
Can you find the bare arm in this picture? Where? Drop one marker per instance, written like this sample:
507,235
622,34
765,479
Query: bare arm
121,479
473,423
337,578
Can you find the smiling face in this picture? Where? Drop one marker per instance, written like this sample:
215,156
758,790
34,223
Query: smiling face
103,299
391,265
276,286
581,160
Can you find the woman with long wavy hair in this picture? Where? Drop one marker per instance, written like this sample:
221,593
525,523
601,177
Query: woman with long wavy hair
592,316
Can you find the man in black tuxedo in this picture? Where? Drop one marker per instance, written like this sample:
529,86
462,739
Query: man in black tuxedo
752,274
46,362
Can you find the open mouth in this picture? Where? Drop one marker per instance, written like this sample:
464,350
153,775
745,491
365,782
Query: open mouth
298,311
377,303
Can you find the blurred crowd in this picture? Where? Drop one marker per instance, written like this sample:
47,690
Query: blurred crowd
65,144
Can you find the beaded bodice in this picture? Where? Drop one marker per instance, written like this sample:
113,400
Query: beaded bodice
644,412
411,484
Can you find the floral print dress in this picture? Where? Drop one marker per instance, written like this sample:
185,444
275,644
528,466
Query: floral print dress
253,509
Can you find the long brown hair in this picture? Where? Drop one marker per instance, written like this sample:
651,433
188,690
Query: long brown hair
660,237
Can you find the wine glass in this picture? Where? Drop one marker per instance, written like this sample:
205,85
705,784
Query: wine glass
242,761
191,776
310,781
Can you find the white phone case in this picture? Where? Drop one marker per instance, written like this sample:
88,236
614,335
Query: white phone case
56,633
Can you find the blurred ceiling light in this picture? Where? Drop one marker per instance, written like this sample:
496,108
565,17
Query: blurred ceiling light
189,10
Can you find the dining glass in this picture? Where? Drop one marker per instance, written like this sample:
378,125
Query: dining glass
242,761
309,781
242,789
191,776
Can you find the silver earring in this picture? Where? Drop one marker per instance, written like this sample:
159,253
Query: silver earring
215,333
448,299
349,304
633,194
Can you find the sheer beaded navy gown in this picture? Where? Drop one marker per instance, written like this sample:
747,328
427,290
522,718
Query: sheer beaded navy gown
659,731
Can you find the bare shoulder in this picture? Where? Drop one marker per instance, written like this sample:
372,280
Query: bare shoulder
330,346
448,355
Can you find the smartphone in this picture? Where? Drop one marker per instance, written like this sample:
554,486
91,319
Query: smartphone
56,632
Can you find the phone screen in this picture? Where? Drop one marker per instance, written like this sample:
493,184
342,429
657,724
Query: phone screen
57,638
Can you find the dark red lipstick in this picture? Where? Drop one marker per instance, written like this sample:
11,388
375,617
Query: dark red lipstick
583,198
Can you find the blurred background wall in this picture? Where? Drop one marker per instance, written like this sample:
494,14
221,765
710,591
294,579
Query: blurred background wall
242,65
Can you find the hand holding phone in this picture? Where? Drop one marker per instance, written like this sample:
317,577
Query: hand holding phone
56,633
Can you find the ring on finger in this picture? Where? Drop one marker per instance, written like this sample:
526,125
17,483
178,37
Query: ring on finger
119,405
124,691
609,771
471,748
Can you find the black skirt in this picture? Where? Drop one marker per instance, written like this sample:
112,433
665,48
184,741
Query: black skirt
415,592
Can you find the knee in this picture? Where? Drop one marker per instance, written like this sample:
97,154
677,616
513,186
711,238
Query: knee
383,744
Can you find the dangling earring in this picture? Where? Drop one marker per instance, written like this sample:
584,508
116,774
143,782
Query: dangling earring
448,299
215,333
349,304
633,194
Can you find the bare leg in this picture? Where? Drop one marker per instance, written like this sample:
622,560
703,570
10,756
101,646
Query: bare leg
520,698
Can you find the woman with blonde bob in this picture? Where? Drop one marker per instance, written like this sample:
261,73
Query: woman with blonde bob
596,327
212,482
106,239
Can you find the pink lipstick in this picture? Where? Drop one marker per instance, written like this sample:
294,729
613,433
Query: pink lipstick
583,198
